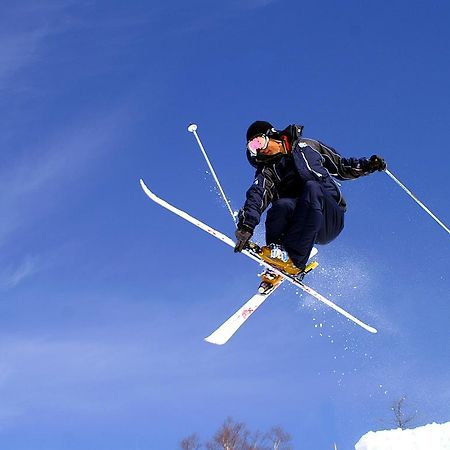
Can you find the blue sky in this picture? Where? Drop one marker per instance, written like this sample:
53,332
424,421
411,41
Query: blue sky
105,297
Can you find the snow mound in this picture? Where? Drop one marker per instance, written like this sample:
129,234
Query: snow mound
429,437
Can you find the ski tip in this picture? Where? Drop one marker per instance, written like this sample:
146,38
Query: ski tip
211,340
146,189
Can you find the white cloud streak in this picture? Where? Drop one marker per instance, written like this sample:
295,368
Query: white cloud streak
255,4
18,50
12,276
25,27
47,166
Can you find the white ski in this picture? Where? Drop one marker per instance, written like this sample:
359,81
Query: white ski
231,325
254,256
223,334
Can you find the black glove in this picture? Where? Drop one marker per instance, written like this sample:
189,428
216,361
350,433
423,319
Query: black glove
243,235
377,163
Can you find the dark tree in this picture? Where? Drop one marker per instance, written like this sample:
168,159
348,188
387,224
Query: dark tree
402,419
236,436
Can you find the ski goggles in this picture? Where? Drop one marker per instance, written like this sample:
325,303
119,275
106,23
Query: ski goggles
259,142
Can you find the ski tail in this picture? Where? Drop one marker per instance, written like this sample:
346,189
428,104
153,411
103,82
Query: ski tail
223,334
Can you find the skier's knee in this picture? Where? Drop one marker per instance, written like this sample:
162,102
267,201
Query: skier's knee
282,206
312,186
312,193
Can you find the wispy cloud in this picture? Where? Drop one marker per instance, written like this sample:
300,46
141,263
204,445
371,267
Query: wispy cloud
254,4
34,169
18,50
24,29
59,159
11,276
77,374
207,18
52,368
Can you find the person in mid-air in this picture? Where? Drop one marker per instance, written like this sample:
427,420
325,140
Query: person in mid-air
297,176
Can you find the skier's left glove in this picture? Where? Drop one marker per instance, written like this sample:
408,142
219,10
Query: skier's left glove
377,163
243,235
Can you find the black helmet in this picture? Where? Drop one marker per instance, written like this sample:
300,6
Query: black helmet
291,132
259,127
255,129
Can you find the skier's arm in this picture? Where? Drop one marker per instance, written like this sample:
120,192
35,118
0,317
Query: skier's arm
346,168
258,197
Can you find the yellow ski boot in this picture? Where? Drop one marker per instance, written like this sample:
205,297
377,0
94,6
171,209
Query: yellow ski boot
269,281
279,258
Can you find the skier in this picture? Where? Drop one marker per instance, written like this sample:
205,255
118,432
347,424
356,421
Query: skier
296,175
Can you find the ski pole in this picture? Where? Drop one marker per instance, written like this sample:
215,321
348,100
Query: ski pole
417,201
192,128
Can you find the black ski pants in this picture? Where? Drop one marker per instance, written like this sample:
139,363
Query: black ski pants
299,223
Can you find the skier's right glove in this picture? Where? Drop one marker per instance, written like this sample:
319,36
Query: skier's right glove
243,235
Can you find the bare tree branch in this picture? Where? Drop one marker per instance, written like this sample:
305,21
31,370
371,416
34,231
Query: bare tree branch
236,436
279,439
191,442
401,418
230,436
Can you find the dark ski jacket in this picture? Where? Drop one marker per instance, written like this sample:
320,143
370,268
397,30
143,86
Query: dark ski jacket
285,174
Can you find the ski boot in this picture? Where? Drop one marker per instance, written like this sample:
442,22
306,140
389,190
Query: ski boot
279,258
310,266
269,281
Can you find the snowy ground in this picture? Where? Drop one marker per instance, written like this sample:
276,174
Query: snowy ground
429,437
